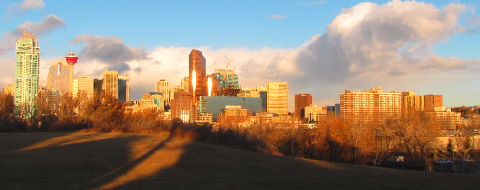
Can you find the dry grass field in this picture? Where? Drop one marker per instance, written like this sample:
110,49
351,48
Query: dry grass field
136,161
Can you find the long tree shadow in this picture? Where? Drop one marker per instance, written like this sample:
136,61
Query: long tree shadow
13,141
204,166
64,165
108,179
130,161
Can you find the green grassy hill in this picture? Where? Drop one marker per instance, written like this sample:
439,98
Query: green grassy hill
134,161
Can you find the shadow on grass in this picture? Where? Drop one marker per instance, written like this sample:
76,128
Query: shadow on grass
129,161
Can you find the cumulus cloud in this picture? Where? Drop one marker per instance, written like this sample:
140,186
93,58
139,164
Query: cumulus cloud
32,4
109,50
277,16
42,28
364,46
25,5
7,44
372,43
367,45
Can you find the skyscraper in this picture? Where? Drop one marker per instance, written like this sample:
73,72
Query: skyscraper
27,74
162,86
123,88
226,78
185,84
60,77
301,101
277,97
370,106
110,83
198,63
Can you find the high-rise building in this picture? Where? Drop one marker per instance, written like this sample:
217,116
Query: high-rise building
277,97
110,83
60,77
411,103
123,88
263,97
98,87
226,78
172,91
301,101
83,84
370,106
182,106
184,84
432,101
162,86
197,66
26,74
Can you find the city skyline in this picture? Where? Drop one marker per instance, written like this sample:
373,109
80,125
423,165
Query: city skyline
446,56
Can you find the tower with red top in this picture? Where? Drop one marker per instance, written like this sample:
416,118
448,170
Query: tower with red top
71,58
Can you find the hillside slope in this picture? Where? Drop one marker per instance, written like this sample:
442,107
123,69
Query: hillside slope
134,161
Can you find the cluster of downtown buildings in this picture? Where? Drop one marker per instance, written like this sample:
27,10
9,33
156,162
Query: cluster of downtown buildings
215,97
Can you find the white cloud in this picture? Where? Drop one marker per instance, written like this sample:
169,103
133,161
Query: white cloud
7,44
277,16
25,5
45,26
32,4
389,44
364,46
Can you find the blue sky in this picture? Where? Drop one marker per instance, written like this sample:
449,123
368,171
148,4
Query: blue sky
217,24
222,25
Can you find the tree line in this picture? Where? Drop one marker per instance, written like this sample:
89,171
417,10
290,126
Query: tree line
410,143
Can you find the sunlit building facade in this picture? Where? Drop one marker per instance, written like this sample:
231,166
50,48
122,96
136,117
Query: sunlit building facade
26,74
226,78
301,101
197,64
60,77
314,113
162,86
110,83
412,104
185,84
277,97
83,84
432,101
182,106
370,106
